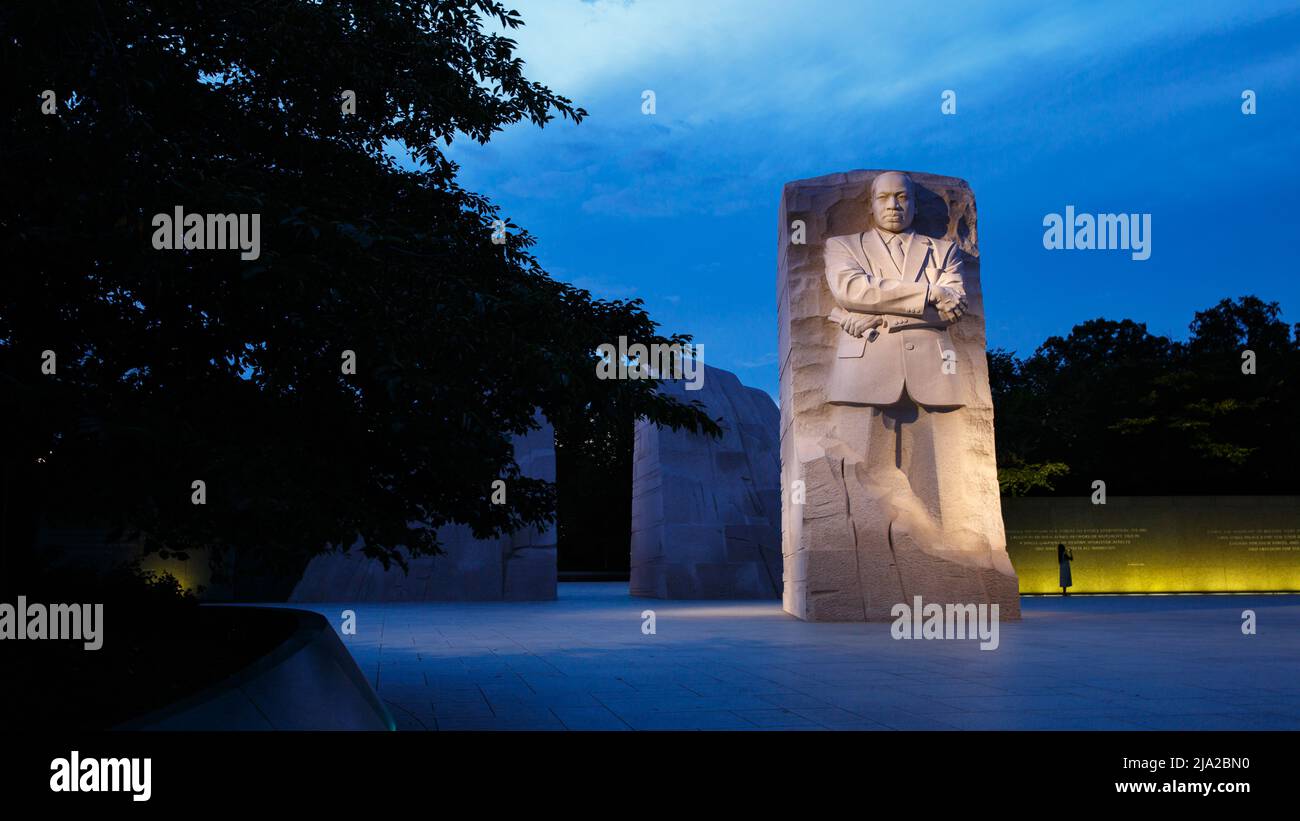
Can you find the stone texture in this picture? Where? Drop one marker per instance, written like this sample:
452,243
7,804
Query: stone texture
706,512
518,567
877,528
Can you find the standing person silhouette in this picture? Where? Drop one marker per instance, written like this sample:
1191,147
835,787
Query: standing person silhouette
1063,559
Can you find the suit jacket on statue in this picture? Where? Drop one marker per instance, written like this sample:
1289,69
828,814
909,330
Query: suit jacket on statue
907,351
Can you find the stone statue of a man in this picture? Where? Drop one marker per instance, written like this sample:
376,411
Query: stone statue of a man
897,292
890,430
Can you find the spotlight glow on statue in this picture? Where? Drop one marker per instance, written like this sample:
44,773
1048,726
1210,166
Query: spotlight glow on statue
891,428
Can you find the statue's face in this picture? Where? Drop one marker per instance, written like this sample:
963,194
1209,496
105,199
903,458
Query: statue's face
891,202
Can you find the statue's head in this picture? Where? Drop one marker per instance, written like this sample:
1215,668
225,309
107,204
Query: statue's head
892,203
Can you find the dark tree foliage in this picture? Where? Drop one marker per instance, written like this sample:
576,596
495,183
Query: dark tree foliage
1152,416
594,500
176,366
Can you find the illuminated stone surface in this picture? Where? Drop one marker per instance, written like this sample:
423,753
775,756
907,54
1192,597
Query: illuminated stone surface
706,513
886,414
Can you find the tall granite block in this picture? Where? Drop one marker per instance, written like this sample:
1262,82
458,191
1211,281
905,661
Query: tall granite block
518,567
887,453
706,512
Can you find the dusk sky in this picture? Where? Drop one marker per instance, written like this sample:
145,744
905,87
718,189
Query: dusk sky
1131,107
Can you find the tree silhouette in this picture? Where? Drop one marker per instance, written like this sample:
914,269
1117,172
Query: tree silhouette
184,365
1151,416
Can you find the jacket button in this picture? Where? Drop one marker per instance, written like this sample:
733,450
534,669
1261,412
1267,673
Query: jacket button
910,346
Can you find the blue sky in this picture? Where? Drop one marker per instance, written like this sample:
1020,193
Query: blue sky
1109,107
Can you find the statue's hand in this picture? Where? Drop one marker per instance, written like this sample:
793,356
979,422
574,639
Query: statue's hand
855,324
950,302
952,313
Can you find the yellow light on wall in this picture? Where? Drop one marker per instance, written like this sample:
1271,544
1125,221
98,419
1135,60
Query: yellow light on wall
1157,544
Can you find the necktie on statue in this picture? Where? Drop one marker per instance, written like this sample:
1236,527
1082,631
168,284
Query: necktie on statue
896,251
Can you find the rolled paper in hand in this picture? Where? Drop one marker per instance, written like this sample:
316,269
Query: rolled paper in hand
839,316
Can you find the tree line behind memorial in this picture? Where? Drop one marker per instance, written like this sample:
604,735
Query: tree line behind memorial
1150,415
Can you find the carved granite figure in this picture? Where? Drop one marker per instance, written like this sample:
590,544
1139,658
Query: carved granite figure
887,438
897,292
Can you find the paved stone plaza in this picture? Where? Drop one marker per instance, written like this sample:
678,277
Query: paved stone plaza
583,663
